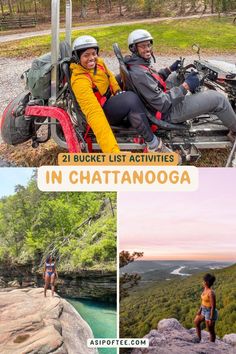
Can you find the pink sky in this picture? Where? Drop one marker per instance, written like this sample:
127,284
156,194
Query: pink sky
182,225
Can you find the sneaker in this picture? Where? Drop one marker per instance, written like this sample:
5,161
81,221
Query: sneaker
164,149
160,148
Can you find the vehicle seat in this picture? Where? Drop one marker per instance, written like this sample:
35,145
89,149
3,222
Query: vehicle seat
65,68
65,50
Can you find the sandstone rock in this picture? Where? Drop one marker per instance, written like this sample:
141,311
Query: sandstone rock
87,284
30,323
14,283
169,324
205,335
172,338
2,283
230,339
75,333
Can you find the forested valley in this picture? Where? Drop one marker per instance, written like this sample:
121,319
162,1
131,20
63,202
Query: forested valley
144,308
78,229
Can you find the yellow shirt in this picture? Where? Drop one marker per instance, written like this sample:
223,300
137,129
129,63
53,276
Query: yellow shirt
82,87
206,301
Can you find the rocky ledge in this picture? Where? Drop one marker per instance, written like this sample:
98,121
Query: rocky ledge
89,284
97,285
172,338
30,323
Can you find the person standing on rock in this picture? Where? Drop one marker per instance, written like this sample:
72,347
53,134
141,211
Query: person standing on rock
207,311
50,274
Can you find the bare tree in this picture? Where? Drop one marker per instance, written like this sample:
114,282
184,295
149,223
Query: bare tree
10,6
22,6
2,7
193,5
205,3
35,8
128,281
218,7
97,6
148,4
108,5
182,6
120,8
83,8
212,6
45,5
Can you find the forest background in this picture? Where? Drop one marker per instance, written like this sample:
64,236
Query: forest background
107,9
79,229
177,298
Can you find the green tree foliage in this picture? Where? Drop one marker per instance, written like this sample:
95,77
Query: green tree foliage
125,257
78,228
180,298
128,281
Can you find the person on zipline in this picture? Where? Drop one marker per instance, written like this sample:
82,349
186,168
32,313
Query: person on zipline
49,274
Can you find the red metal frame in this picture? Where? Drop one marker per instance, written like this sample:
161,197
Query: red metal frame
4,114
63,118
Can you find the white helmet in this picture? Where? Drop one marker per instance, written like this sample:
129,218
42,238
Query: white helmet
138,36
84,42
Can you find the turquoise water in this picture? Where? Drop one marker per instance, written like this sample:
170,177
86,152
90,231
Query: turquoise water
101,317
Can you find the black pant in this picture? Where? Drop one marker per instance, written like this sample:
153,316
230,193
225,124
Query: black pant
128,104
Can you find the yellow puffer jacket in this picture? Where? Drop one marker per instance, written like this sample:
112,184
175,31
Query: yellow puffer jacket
83,89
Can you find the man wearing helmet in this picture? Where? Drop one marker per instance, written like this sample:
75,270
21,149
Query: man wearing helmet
102,101
172,105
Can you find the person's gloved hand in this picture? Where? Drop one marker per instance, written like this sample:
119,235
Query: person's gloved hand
175,65
192,81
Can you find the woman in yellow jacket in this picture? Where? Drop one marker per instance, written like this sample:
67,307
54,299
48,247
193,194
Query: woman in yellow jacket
102,101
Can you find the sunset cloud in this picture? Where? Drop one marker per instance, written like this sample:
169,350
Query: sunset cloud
191,225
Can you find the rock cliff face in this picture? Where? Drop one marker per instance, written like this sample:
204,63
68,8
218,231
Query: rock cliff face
95,285
91,284
172,338
30,323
